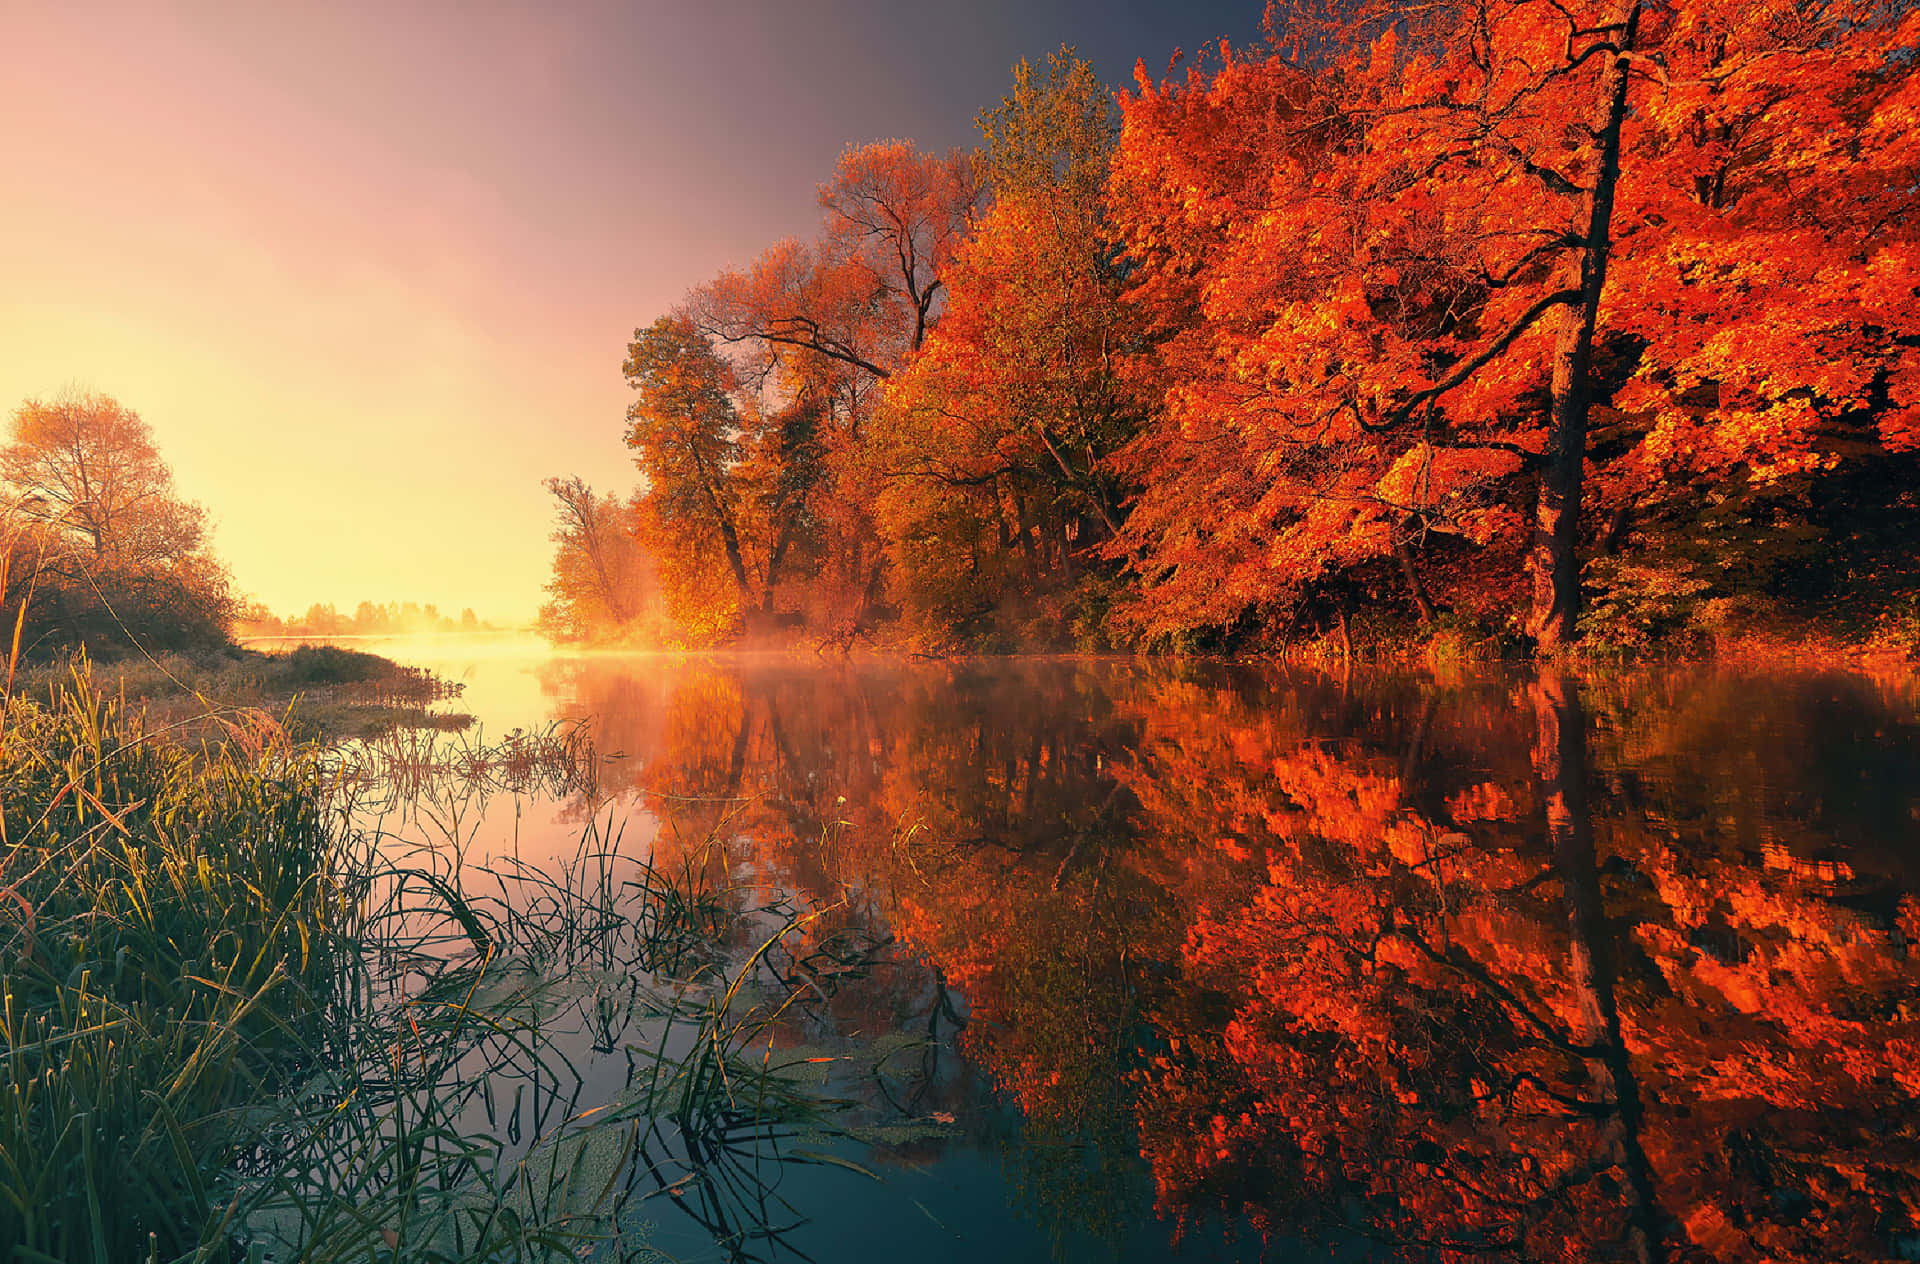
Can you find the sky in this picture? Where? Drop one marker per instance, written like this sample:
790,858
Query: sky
368,271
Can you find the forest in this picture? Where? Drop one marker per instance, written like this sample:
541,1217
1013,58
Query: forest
1484,328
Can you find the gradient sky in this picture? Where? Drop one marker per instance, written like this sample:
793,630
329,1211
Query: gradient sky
369,270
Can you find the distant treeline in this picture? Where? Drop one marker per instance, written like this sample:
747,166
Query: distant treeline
395,618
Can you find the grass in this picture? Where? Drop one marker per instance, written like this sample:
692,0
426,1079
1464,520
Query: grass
414,771
172,921
238,1024
314,692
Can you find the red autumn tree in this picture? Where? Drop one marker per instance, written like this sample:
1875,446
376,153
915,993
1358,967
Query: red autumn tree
991,446
820,325
1379,279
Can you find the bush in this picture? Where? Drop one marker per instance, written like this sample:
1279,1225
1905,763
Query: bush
111,615
332,665
1630,608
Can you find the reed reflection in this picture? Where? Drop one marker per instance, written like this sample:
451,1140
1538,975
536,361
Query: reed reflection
1527,966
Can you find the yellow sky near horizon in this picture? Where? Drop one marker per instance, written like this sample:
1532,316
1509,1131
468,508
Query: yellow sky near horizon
368,270
329,337
364,317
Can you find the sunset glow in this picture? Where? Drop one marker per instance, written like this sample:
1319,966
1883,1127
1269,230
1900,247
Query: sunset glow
1111,631
367,271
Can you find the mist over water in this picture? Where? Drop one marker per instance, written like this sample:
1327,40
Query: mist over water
1142,959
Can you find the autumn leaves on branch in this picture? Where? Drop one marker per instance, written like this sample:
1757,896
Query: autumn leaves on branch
98,550
1550,318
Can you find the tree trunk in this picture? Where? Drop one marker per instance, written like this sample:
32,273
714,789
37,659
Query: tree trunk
1003,511
1414,587
1025,537
729,538
597,554
774,561
1091,486
1555,563
1616,530
1560,766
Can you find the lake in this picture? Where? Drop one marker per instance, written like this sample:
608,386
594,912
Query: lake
1111,959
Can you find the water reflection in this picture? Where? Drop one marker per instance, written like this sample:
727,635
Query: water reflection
1214,959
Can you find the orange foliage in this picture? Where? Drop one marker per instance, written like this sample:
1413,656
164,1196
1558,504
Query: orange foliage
1510,308
1352,271
1406,1028
1302,945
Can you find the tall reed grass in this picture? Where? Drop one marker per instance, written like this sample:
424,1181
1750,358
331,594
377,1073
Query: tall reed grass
237,1024
170,923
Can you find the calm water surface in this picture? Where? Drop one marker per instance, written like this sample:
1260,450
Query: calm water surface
1125,961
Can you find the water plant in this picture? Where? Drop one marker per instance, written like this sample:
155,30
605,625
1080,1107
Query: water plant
237,1019
172,921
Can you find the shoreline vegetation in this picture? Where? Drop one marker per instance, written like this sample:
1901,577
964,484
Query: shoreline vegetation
311,692
1582,331
239,1021
1888,638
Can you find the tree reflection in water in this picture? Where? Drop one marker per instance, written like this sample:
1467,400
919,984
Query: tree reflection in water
1502,966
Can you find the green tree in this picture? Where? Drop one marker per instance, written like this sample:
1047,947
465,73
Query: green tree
994,439
685,430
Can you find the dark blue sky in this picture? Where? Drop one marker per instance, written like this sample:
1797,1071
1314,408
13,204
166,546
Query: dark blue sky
935,66
780,88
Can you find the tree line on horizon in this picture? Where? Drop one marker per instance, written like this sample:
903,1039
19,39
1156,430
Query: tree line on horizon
1516,319
368,618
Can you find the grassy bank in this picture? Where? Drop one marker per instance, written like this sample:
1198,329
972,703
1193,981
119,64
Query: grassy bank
236,1025
170,940
314,692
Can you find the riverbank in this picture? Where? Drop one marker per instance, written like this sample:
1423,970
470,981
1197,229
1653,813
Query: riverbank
236,1025
310,692
1871,621
1728,634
